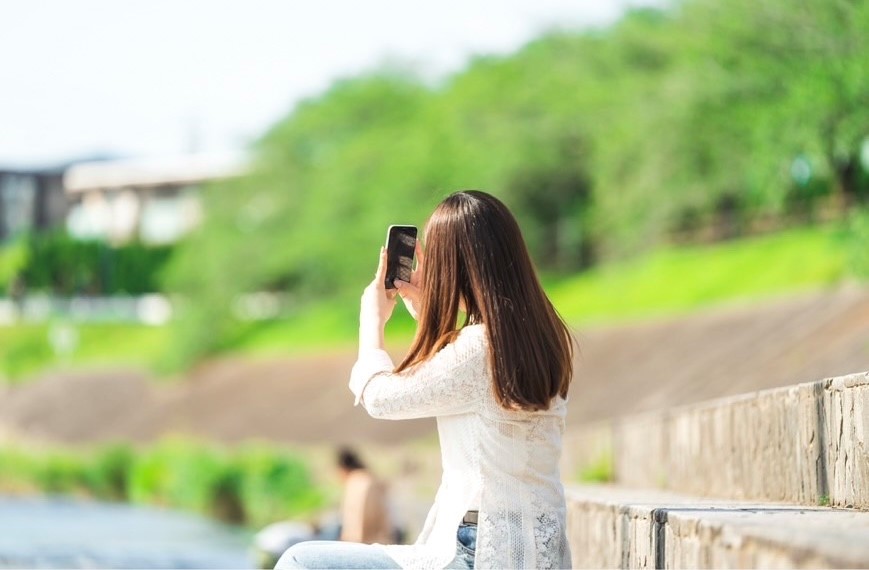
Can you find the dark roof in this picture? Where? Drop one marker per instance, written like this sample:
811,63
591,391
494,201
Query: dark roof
52,168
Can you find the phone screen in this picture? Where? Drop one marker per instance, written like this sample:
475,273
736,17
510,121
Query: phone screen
400,247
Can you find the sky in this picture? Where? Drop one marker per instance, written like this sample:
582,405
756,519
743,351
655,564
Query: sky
162,77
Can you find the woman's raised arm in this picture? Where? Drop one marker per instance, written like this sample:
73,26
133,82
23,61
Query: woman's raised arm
451,382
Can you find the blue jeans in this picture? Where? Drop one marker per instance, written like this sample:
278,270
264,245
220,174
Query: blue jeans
321,554
316,554
466,546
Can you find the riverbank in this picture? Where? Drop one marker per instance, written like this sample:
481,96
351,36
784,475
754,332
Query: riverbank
302,405
304,400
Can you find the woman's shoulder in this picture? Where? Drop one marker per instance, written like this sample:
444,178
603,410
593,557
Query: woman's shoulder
473,328
471,339
473,333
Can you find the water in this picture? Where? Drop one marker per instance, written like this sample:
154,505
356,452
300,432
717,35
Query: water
71,533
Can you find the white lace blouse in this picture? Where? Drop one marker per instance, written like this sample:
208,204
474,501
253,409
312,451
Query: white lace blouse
503,463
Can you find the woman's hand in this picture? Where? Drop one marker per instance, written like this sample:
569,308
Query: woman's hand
411,293
376,308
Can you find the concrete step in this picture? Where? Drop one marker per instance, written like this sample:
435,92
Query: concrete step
612,527
806,444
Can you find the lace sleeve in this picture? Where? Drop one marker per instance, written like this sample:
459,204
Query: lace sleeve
448,383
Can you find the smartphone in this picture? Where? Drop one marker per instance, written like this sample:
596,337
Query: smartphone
400,247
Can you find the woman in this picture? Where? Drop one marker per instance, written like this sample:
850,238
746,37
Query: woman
497,385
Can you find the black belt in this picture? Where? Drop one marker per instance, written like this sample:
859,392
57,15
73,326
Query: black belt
470,517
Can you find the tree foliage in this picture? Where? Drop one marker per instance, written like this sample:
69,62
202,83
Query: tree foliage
602,141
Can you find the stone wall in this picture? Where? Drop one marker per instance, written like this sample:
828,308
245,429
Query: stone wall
806,444
616,528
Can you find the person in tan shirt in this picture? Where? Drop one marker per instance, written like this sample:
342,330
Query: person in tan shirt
365,512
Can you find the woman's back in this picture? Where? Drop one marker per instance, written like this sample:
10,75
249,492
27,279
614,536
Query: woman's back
500,462
497,384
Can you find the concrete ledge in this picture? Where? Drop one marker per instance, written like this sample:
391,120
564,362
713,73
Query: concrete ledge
805,444
611,527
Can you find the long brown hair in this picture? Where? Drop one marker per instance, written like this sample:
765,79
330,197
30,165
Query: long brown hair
475,255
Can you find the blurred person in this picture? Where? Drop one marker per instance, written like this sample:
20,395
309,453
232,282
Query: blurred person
496,382
365,511
364,516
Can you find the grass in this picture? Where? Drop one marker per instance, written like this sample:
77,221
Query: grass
668,281
682,279
320,326
28,348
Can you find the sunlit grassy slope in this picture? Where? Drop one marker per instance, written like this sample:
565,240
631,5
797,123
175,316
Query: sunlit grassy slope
668,281
678,280
28,348
665,282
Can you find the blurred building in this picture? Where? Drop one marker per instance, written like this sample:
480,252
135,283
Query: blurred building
31,199
156,200
153,199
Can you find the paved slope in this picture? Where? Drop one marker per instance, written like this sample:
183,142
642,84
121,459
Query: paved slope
621,369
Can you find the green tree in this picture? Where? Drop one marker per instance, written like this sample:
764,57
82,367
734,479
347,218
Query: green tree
602,141
789,79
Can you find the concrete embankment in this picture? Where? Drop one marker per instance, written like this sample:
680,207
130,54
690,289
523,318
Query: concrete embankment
777,478
625,368
806,444
617,528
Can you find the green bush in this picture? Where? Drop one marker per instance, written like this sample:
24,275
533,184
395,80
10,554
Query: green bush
274,485
175,472
54,262
109,475
253,485
62,472
226,501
